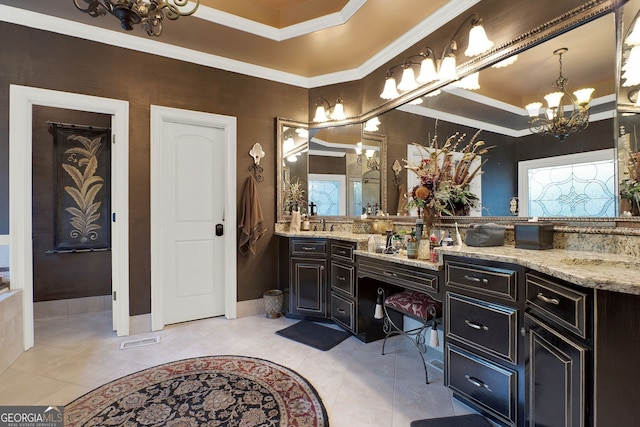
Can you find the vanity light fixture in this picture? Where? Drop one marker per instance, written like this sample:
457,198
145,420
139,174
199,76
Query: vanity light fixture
552,120
335,112
434,69
148,13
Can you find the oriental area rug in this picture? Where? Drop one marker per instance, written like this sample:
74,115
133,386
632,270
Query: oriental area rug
224,391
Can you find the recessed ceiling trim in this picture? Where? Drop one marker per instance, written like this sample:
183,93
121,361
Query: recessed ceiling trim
436,20
461,120
279,34
486,100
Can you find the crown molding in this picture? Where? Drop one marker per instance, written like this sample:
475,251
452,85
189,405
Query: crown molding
53,24
44,22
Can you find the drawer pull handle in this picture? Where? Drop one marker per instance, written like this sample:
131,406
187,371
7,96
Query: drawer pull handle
389,273
475,325
342,252
342,278
548,300
308,248
341,311
476,382
475,279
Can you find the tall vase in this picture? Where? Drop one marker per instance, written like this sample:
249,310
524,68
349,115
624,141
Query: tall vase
429,217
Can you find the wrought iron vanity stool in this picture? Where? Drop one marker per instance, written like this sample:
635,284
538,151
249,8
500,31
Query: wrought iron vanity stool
416,305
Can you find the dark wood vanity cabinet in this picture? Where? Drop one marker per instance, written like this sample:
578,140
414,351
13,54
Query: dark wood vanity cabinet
558,353
342,277
483,346
308,272
318,277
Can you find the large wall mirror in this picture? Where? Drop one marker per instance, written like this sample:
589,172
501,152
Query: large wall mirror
579,169
497,108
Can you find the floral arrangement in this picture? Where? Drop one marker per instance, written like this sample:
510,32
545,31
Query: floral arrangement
630,187
444,183
294,196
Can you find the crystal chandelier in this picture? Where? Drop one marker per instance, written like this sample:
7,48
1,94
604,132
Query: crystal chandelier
148,13
553,120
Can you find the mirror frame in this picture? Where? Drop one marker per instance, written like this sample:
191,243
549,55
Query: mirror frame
280,123
580,15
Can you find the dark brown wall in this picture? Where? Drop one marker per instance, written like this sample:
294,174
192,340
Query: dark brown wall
55,275
598,136
46,60
328,165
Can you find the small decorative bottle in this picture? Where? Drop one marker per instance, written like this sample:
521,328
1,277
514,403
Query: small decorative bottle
412,246
433,243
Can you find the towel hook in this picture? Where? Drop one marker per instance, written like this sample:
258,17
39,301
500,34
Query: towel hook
257,153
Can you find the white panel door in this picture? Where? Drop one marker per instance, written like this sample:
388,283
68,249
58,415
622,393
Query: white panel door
193,204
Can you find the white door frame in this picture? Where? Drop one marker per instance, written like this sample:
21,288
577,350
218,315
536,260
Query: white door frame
160,115
22,100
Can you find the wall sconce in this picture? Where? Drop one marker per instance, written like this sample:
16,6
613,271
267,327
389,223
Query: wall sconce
335,112
429,72
369,155
397,168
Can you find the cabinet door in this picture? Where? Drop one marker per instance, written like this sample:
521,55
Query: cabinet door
309,286
555,381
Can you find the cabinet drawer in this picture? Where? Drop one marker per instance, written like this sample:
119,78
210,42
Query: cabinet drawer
342,251
343,311
557,303
342,277
488,385
484,279
488,327
309,247
413,278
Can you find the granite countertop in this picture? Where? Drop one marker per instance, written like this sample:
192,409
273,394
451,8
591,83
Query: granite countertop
337,235
595,270
589,269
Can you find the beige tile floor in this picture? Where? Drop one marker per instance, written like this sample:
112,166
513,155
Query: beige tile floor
359,386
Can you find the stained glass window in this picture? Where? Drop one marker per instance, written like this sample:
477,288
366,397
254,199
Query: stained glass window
327,193
578,185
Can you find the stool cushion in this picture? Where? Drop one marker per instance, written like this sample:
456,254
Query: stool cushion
413,303
472,420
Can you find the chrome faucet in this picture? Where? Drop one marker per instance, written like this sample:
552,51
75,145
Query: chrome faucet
324,227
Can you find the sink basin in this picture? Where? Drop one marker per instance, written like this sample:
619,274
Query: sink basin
601,263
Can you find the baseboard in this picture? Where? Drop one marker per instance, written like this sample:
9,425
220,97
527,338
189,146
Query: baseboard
66,307
250,308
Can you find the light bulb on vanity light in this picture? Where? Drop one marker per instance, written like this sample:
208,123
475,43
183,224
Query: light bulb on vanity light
390,91
478,41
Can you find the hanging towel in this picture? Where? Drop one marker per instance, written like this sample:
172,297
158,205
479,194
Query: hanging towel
252,223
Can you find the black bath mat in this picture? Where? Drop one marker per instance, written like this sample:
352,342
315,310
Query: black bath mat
472,420
314,335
